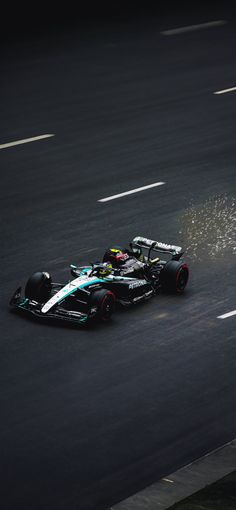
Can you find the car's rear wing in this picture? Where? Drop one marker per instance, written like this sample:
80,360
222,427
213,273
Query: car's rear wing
143,242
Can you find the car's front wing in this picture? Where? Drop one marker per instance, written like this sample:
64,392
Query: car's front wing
33,308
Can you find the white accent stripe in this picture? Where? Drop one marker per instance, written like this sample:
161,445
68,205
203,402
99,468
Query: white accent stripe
25,140
69,288
192,28
131,191
226,315
224,91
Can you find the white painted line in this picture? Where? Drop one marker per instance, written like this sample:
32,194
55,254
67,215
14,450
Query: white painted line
167,480
131,191
25,140
224,91
226,315
192,28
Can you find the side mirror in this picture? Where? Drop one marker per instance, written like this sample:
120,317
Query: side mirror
74,270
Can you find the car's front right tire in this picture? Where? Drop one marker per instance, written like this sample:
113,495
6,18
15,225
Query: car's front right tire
38,287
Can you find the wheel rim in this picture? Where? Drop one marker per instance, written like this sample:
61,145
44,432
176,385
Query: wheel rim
182,278
107,307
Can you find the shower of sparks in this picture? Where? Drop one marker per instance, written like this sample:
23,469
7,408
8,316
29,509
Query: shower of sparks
209,229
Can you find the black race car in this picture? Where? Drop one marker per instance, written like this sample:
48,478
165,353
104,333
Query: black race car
125,276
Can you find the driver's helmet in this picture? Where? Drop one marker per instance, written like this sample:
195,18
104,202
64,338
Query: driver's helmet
117,256
102,270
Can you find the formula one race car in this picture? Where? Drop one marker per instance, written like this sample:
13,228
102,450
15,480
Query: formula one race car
125,276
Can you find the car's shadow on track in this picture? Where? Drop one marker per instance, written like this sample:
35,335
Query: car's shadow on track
55,324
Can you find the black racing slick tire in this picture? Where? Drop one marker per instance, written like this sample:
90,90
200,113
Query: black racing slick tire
38,287
104,301
175,276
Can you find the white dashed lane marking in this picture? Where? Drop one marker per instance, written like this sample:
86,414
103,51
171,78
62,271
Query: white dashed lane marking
136,190
226,315
191,28
225,91
25,140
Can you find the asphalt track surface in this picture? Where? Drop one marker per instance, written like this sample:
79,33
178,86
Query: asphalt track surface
89,417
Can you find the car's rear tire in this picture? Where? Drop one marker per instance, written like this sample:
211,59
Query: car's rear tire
104,300
175,276
38,287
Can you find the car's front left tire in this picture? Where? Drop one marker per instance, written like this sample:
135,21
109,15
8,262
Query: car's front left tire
104,301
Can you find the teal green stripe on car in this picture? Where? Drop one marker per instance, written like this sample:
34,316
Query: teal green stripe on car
24,302
90,283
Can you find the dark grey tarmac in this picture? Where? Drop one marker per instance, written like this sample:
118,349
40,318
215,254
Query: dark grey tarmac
188,481
90,417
